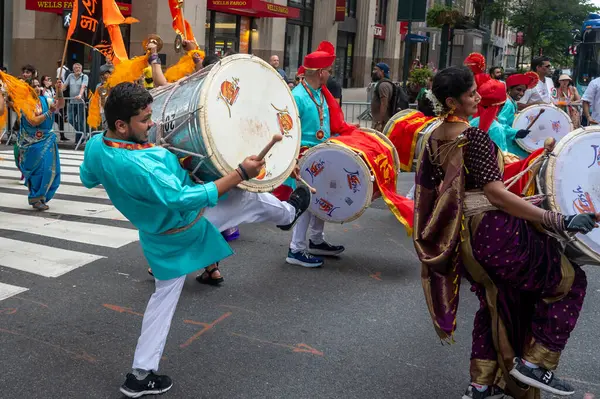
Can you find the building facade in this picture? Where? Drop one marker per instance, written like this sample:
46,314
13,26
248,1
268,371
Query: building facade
363,32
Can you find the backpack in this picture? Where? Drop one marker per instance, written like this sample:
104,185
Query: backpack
399,100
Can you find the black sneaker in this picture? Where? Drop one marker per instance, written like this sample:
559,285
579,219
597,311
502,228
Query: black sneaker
299,199
325,249
541,378
151,385
489,393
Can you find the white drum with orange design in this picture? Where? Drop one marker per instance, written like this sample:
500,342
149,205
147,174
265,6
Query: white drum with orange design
215,118
570,179
553,122
342,178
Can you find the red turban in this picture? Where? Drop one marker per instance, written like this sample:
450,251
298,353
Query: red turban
322,58
476,63
493,96
529,80
301,71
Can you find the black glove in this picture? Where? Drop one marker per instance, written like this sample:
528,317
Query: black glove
521,134
581,223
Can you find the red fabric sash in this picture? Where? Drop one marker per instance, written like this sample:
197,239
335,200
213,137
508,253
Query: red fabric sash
336,116
380,158
405,134
515,168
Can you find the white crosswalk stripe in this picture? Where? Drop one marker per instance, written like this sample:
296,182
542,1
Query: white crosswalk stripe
75,220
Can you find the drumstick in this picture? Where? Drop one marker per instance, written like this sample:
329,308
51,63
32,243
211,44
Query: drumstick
276,138
311,188
536,118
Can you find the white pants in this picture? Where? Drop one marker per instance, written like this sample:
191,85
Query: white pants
240,207
306,221
411,193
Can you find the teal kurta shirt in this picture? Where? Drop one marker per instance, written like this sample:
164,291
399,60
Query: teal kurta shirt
152,190
508,112
309,115
504,137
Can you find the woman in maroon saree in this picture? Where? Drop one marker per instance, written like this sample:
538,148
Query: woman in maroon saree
468,225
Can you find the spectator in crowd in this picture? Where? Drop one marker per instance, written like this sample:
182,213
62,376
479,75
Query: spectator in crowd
591,102
61,73
28,72
566,95
37,86
335,89
49,92
383,96
274,61
540,94
497,73
77,83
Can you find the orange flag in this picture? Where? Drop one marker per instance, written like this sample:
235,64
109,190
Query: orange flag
95,23
180,25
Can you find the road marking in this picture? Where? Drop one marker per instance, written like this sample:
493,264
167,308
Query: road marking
41,259
64,207
16,173
79,191
86,233
69,162
297,348
67,169
78,156
205,327
7,290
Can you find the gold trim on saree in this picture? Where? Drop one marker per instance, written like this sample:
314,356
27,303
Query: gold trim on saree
537,354
483,371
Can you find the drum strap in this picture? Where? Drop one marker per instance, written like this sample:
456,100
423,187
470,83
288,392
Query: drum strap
186,227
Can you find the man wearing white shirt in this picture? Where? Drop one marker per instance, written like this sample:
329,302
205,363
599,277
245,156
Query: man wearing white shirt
542,93
61,73
591,98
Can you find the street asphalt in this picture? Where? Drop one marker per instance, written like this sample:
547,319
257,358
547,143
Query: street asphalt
356,328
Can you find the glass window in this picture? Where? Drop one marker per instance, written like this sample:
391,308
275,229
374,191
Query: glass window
292,49
381,11
351,8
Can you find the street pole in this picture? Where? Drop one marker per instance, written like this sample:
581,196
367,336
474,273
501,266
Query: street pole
445,38
407,45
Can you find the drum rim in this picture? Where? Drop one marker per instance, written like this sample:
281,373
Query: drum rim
549,184
214,156
520,142
387,129
362,164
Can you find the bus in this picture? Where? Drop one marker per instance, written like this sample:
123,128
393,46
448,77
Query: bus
587,59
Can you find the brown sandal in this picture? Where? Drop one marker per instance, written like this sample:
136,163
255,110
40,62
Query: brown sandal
209,279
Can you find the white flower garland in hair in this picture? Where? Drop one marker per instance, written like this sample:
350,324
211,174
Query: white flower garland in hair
438,109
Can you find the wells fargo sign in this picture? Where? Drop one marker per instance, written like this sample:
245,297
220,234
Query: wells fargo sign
253,8
58,7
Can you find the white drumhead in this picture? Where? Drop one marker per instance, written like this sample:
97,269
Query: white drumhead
244,103
573,181
342,180
554,122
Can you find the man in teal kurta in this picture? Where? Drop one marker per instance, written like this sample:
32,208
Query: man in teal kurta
316,129
179,222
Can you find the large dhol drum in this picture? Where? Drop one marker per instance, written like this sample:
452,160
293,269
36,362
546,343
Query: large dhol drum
407,150
215,118
570,179
342,178
554,122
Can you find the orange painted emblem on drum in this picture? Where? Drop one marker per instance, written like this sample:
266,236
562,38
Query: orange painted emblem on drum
583,203
229,92
262,174
285,121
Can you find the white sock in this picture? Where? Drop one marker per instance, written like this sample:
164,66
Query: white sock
530,365
140,374
480,388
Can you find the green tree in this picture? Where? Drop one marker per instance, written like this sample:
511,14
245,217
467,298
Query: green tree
548,24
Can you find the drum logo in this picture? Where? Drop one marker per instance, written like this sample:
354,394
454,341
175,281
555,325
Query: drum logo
315,169
530,119
229,92
353,181
583,203
556,126
596,159
326,206
285,121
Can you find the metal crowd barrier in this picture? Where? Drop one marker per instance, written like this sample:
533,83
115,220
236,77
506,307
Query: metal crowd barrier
357,112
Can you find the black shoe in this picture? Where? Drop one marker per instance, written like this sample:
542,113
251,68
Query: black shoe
151,385
541,378
489,393
325,249
299,199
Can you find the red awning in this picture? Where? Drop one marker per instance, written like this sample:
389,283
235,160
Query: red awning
253,8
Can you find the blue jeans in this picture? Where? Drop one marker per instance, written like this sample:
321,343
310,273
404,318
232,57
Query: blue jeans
76,118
